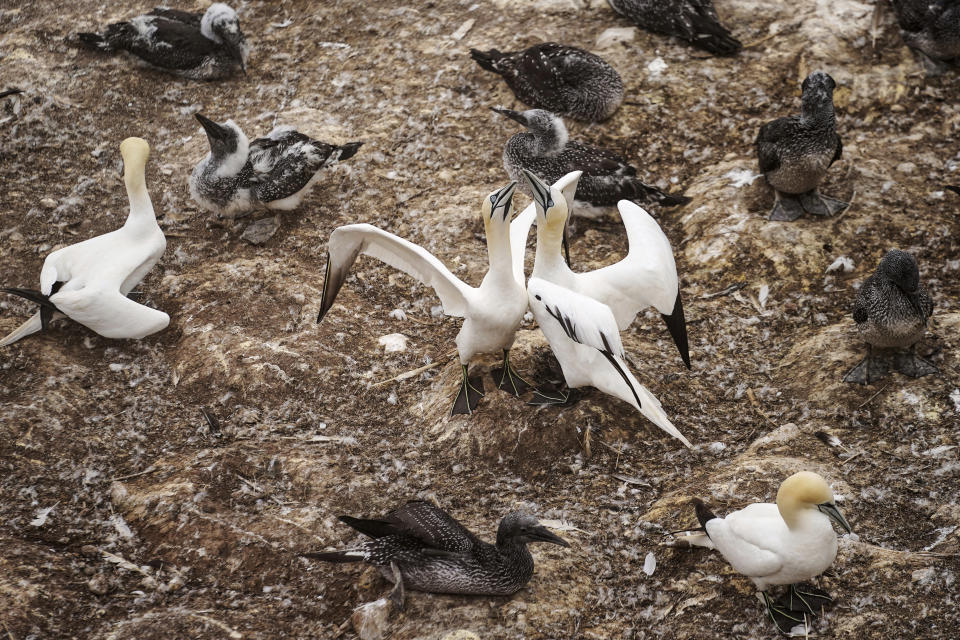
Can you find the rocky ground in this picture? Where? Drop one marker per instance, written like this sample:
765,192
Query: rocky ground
123,514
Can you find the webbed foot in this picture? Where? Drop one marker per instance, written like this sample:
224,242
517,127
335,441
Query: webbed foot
786,209
818,205
471,390
912,365
784,619
509,380
549,395
806,598
869,370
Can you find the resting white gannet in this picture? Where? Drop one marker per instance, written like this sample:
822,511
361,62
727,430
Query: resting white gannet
783,543
583,334
646,277
89,281
492,312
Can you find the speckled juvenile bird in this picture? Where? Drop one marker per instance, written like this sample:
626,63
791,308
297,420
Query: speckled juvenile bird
546,150
695,21
275,172
932,28
891,313
795,152
420,546
558,78
206,46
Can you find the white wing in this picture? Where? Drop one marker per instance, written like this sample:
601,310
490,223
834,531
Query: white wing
646,277
109,313
583,334
346,243
746,538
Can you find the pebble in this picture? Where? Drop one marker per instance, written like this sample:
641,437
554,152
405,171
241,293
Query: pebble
99,584
49,203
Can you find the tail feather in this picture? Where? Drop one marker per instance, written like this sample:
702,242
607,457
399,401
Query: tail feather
487,59
32,325
10,92
372,528
347,555
714,37
95,41
704,515
32,295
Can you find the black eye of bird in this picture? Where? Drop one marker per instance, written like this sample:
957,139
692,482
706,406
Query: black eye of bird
538,297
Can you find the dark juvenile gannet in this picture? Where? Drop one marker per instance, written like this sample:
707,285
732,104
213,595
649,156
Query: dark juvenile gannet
695,21
206,46
785,543
558,78
932,28
275,172
421,547
546,150
492,312
89,281
891,312
795,152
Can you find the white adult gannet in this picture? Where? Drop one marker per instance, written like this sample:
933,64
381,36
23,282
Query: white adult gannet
783,543
646,277
492,312
584,337
89,281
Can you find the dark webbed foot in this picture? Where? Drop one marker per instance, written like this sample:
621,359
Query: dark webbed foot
912,365
786,209
806,598
549,395
509,380
870,369
819,205
471,390
397,594
783,618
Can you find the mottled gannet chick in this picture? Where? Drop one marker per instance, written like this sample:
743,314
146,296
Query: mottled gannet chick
421,547
275,172
558,78
89,281
891,313
695,21
795,152
492,312
785,543
206,46
932,28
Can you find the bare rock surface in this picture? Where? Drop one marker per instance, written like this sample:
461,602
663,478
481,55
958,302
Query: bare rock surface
126,514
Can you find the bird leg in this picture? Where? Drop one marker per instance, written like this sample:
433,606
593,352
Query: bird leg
509,380
805,598
786,208
471,390
784,619
397,594
870,369
910,364
819,205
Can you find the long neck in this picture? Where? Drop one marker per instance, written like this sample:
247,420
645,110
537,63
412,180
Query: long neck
141,214
498,250
549,244
518,558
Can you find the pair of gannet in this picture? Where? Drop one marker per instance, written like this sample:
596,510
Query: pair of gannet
275,172
89,281
785,543
580,314
204,46
421,547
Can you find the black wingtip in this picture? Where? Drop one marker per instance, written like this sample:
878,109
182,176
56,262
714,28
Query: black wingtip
704,515
677,325
10,92
669,200
331,556
720,45
93,40
953,188
349,150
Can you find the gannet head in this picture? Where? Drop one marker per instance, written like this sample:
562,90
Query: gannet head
817,91
220,24
568,187
550,203
134,152
900,268
228,144
806,491
519,527
498,206
547,128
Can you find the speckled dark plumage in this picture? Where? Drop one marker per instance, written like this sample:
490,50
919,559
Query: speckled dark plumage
204,46
545,150
795,152
558,78
891,312
931,27
433,552
695,21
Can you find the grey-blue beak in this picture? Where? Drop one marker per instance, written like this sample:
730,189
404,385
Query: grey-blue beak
503,198
830,509
541,192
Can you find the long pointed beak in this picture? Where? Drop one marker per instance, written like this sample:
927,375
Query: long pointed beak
678,329
212,129
834,514
542,534
503,198
510,113
541,192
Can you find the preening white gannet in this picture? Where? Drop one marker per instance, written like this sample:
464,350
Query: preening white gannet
89,281
492,312
783,543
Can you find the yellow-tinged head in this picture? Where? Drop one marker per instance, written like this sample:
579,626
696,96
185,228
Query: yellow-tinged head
807,490
134,152
551,205
497,207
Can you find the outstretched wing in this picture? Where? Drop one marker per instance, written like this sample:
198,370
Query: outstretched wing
110,313
346,243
